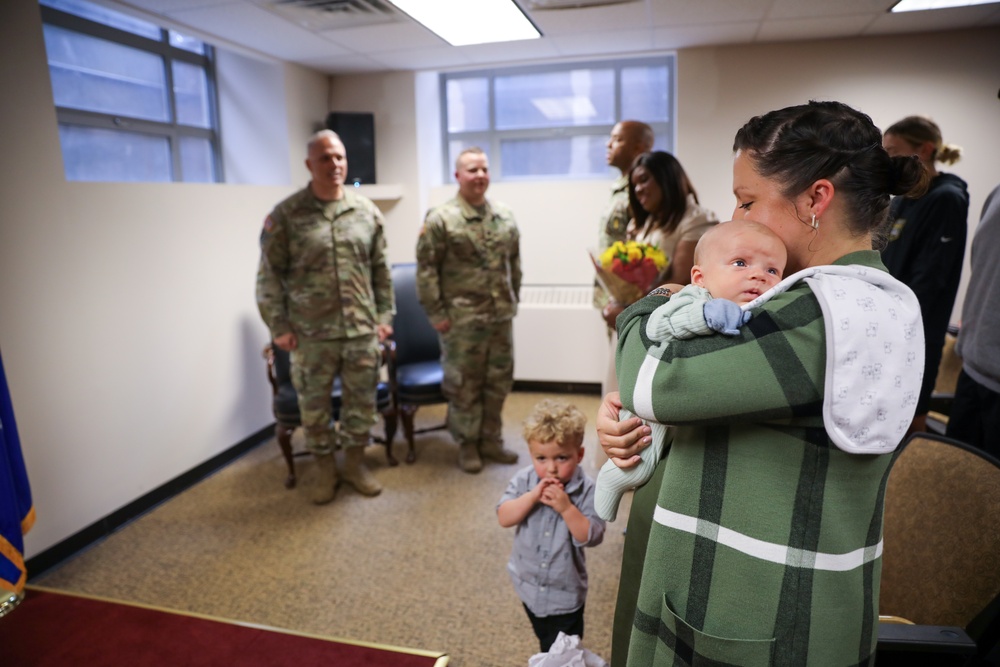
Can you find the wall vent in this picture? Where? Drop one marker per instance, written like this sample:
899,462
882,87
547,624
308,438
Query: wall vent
572,4
320,15
557,296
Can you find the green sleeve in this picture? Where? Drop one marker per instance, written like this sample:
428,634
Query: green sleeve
431,250
271,273
773,370
381,274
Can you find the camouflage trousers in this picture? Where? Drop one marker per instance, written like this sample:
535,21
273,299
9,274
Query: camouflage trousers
478,363
315,364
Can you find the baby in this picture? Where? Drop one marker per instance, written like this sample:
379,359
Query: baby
734,263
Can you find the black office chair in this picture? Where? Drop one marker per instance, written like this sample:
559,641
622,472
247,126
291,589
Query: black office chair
941,556
285,404
415,373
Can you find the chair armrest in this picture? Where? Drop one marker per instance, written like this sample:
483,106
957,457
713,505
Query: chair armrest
388,349
906,638
272,377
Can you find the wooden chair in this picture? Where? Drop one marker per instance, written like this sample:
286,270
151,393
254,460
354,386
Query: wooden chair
944,386
941,557
285,404
415,373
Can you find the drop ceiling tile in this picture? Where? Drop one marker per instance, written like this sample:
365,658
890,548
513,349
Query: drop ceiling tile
702,35
800,29
417,59
384,38
349,64
670,13
521,50
604,43
260,30
795,9
556,22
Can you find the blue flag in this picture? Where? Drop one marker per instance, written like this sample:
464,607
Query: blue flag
16,511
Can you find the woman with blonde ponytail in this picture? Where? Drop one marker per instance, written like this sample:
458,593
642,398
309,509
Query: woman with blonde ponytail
926,239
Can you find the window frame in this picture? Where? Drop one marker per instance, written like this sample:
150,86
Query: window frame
490,139
171,130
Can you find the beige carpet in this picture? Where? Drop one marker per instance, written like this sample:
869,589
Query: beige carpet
423,565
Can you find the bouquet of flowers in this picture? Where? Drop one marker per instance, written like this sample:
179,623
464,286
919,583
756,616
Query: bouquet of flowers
627,270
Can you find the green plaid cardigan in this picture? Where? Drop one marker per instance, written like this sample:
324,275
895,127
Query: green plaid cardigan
757,542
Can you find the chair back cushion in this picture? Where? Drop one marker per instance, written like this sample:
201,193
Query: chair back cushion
286,400
416,340
941,558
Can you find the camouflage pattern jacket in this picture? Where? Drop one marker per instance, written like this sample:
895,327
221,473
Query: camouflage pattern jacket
469,265
613,227
323,271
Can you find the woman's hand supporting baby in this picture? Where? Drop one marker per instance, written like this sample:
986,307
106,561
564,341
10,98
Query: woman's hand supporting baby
621,440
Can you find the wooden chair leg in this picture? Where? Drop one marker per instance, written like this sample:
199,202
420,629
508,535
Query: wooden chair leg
389,422
283,433
407,412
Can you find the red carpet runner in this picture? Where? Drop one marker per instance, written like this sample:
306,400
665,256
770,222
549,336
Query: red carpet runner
53,629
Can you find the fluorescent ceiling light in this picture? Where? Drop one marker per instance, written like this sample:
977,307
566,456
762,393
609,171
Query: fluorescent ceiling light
464,22
920,5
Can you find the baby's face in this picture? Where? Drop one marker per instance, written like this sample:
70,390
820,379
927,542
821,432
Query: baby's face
740,263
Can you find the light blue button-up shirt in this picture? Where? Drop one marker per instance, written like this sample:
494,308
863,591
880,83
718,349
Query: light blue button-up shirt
547,565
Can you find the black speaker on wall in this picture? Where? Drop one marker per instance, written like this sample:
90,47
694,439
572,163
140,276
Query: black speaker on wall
357,131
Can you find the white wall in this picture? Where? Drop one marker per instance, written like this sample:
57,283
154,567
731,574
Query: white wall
128,326
950,76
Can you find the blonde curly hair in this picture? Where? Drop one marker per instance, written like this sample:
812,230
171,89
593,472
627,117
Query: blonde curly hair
554,420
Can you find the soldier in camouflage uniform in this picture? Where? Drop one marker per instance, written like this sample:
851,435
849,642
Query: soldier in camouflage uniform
629,139
325,292
468,281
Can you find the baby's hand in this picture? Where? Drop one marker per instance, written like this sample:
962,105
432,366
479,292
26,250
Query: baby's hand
725,316
554,495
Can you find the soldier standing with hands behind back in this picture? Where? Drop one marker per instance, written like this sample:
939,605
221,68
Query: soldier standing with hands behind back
469,281
325,292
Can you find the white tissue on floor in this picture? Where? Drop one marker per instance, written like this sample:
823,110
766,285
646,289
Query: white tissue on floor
566,652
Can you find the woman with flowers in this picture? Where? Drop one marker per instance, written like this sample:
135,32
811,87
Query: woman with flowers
665,215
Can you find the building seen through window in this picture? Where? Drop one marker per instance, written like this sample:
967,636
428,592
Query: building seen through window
135,102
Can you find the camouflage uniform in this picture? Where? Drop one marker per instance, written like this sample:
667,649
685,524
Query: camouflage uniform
324,276
469,272
614,223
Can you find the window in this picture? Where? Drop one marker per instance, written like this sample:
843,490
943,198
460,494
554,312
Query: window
135,102
554,121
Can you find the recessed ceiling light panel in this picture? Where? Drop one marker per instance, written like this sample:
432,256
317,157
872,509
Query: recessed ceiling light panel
462,22
923,5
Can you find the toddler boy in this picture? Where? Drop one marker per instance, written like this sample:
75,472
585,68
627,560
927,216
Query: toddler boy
551,502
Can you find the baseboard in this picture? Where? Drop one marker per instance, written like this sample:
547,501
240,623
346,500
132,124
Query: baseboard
56,554
558,387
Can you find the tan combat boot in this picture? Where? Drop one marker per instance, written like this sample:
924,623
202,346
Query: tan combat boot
321,485
357,474
468,458
495,451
